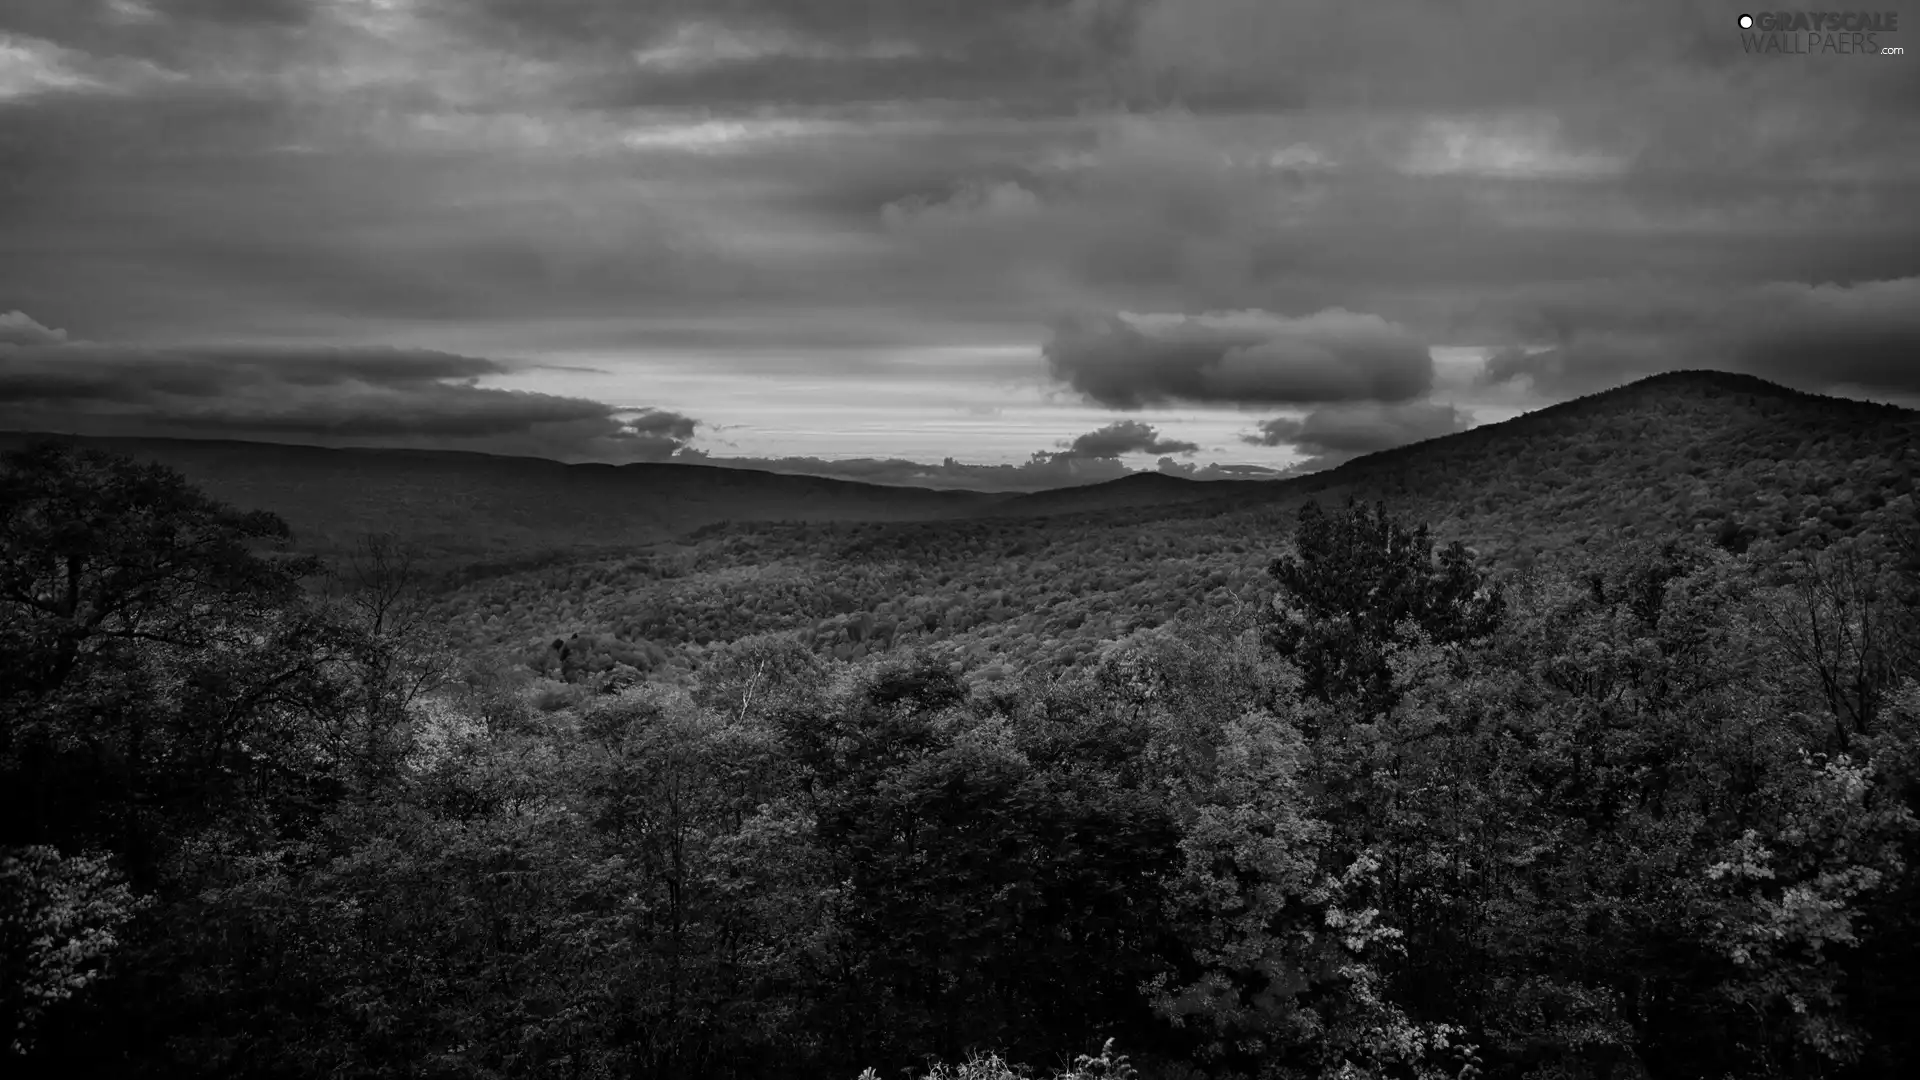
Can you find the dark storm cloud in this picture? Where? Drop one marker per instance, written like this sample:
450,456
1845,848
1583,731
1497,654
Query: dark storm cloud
1865,335
1361,428
1418,221
80,372
535,210
1127,437
1448,153
1588,363
662,424
1239,358
1859,337
184,235
390,396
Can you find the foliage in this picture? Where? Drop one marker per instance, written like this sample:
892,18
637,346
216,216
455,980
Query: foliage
1645,809
1734,462
60,921
1354,586
1107,1065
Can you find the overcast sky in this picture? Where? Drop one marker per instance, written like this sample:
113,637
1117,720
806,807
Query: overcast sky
1059,237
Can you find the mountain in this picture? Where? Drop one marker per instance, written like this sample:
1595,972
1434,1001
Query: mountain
1049,578
466,504
1141,490
1732,455
660,562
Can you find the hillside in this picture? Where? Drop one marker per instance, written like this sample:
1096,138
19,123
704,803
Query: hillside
1142,490
1732,455
1045,578
878,757
476,505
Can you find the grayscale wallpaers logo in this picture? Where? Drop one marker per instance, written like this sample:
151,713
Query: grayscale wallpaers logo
1800,33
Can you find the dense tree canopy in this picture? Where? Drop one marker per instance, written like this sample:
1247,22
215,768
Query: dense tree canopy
1321,798
1360,582
143,631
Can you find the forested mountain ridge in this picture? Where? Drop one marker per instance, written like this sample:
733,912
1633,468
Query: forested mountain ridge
1730,459
1141,491
544,550
1732,454
466,505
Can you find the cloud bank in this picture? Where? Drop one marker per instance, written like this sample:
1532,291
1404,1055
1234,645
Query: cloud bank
1307,193
1126,437
1863,336
1241,358
329,396
1334,434
374,396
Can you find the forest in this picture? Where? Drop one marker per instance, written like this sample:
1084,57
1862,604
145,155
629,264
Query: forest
1728,461
1502,783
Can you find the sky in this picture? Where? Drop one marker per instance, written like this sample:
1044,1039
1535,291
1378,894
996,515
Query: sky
1000,243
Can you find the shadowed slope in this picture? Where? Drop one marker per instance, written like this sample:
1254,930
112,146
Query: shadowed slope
462,503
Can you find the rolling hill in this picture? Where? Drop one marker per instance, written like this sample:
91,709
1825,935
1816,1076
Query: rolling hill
1732,455
462,504
1046,578
1141,491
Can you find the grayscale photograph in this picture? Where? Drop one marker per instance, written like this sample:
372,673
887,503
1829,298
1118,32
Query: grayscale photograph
959,540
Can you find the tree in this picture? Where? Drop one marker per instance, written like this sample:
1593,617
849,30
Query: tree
1353,584
1002,861
159,674
141,626
1838,622
59,923
385,636
1605,843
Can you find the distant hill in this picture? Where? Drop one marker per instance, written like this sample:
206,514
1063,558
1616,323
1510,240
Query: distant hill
468,504
1049,577
1138,491
1734,456
1730,455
